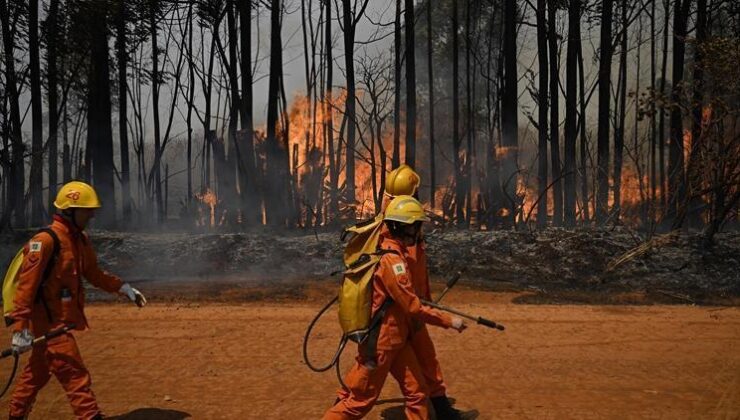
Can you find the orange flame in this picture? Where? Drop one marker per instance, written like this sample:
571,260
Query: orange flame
209,198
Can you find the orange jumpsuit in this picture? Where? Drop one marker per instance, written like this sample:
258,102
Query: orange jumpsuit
421,342
365,379
59,356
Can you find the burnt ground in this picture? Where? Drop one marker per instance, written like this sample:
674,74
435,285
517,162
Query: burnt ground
552,266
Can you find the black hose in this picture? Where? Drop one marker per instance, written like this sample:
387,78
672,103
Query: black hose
12,374
340,346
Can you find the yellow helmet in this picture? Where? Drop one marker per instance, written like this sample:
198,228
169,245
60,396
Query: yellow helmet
77,194
402,181
405,209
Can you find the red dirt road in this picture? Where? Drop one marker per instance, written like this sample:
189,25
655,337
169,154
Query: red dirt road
243,361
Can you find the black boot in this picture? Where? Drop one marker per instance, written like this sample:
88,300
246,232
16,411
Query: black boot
444,410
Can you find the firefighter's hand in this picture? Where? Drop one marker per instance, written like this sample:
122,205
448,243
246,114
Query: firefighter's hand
459,324
22,341
133,295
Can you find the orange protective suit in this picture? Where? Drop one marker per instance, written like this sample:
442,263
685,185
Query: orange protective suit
60,356
365,379
421,342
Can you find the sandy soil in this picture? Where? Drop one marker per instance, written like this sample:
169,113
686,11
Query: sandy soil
243,361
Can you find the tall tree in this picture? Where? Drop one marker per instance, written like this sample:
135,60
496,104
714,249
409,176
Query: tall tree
409,18
275,202
35,182
351,15
693,181
328,114
430,68
619,128
509,107
456,141
251,203
557,188
99,127
571,113
605,72
16,178
156,80
396,157
52,80
653,119
542,105
661,120
676,187
122,58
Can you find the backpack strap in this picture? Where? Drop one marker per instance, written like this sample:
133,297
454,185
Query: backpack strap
369,345
47,270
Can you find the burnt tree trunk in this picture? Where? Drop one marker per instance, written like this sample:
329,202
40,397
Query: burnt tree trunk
276,197
430,64
509,107
542,105
410,85
53,98
155,104
16,178
621,114
557,188
456,141
605,71
676,187
251,203
99,127
35,182
661,121
571,129
396,157
122,57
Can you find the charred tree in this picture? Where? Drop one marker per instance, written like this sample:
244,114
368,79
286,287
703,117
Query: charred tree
542,105
328,116
410,85
509,107
430,68
661,121
676,187
251,203
53,98
571,129
35,182
99,127
619,129
605,71
456,140
156,80
557,188
396,157
350,17
693,180
275,202
122,58
16,178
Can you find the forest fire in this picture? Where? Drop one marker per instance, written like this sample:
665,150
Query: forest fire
210,199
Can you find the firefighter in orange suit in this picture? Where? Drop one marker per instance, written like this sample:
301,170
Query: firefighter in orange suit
389,349
43,303
405,181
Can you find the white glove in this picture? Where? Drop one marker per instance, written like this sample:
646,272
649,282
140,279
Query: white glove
459,324
22,341
133,295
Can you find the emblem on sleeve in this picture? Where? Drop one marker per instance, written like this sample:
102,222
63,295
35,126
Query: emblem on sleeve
399,269
34,246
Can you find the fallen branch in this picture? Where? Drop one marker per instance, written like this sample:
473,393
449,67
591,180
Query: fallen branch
642,249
